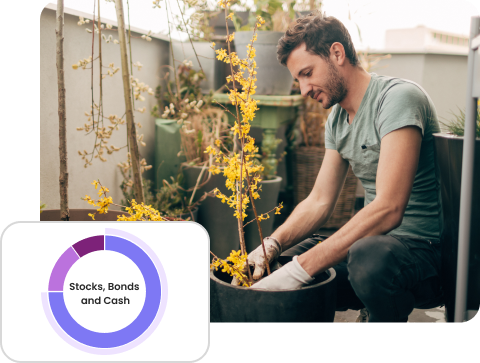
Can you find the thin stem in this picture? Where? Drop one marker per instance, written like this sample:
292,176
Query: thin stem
181,12
198,182
258,224
171,51
254,219
223,107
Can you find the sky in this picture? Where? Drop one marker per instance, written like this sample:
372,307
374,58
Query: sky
373,17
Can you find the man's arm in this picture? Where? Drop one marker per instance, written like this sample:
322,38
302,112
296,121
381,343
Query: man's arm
396,171
315,210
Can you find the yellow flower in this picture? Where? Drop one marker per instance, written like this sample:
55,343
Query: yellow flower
230,16
91,215
95,183
222,53
213,45
214,170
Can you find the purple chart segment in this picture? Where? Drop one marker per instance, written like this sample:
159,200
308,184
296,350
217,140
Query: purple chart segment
60,270
90,244
134,330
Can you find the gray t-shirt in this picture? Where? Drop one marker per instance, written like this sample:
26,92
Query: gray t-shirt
390,104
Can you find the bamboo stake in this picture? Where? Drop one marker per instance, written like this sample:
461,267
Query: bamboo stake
130,49
100,105
131,131
62,117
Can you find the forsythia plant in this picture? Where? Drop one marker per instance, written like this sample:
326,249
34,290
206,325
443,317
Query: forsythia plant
234,268
239,168
137,212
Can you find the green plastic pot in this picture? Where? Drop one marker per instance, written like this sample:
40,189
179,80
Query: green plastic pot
167,146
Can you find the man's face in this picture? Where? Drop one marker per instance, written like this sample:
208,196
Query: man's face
319,78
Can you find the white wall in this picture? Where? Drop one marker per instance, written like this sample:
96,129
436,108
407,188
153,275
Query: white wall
443,76
78,45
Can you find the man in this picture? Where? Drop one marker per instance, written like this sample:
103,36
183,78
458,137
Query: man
387,257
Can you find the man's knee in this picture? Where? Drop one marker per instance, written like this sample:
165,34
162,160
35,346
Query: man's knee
371,264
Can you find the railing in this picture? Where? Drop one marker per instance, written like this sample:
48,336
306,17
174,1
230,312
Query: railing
473,93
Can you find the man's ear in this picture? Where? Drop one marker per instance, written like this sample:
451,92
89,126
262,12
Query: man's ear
337,53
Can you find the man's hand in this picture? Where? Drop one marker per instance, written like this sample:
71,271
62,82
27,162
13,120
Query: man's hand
290,277
256,258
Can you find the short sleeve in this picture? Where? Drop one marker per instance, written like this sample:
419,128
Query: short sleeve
403,105
329,137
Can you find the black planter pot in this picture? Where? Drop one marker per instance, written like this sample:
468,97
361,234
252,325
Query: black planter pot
312,303
268,200
449,151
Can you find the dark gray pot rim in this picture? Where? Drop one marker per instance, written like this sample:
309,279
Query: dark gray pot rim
277,179
450,136
166,120
89,210
260,31
330,271
187,165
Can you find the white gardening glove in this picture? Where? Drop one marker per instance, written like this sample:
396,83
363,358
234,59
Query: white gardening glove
257,258
290,277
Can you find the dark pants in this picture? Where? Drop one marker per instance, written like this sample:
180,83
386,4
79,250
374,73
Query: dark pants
389,275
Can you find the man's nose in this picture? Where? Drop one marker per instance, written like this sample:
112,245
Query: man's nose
305,89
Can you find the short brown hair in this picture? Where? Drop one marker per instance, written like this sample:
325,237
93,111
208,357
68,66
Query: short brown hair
318,32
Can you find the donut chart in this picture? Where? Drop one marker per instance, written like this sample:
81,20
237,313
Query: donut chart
155,295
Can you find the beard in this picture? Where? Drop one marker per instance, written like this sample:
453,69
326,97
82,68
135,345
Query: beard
336,87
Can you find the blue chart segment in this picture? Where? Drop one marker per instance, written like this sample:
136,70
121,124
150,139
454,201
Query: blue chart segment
153,293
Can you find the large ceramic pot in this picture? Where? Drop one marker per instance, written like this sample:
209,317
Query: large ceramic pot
268,200
80,215
312,303
216,217
272,77
449,151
